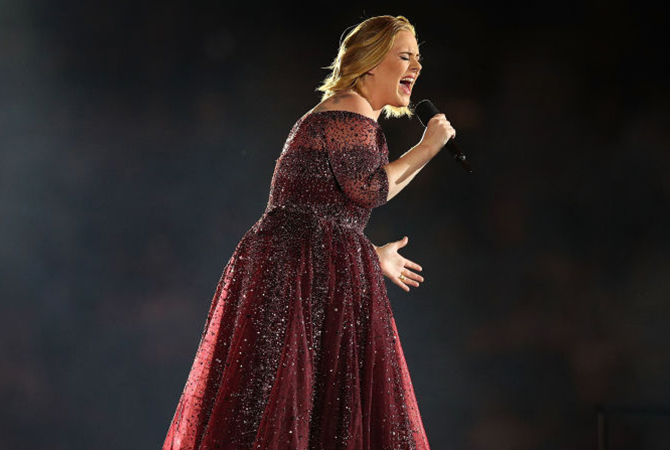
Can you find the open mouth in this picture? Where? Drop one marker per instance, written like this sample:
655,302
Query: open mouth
406,85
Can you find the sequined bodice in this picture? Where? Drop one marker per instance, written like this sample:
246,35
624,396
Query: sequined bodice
331,169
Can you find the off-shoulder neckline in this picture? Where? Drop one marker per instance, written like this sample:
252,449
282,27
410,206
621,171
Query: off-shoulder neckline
343,111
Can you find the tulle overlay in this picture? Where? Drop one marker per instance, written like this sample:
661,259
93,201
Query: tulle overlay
300,349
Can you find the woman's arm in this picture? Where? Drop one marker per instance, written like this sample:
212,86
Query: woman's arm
401,171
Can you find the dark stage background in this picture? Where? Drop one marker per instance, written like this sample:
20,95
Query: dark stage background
137,143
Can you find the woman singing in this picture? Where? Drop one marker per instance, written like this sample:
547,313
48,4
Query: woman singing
300,349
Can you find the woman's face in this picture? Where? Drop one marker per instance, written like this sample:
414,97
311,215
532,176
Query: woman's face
391,82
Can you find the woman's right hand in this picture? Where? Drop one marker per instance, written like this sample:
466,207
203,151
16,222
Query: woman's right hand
437,133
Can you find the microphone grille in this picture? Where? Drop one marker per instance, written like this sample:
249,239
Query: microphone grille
425,110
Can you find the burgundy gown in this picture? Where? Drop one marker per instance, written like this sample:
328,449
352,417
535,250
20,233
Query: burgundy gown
300,349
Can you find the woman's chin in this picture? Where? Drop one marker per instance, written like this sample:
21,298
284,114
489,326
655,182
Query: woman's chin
405,102
402,101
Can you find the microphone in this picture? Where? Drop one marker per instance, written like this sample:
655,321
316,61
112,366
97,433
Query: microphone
425,110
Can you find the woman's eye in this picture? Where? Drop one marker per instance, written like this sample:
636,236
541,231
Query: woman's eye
404,58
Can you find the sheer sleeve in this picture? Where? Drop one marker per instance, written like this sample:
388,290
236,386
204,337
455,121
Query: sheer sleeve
353,143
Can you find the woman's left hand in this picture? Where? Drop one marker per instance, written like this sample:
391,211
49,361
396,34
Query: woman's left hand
396,267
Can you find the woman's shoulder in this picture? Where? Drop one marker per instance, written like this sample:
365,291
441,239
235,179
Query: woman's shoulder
346,101
345,109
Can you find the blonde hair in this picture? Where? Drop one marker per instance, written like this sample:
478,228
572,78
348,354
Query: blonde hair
363,49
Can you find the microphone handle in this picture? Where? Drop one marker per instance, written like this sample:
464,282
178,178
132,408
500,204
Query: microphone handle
455,150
